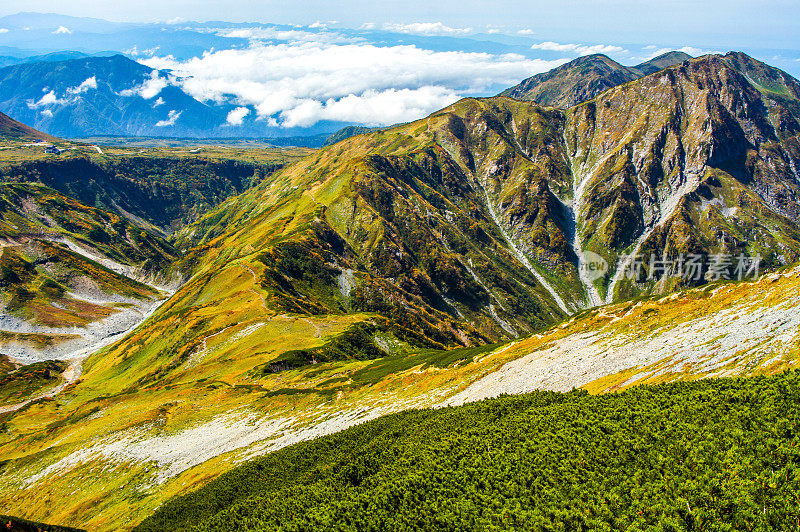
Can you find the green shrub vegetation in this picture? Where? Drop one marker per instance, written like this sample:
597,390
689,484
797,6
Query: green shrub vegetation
708,455
15,524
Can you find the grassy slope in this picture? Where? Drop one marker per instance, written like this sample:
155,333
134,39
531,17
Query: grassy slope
121,450
39,273
716,454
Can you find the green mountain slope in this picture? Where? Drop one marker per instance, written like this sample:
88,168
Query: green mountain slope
163,188
688,456
130,444
662,61
584,78
572,83
65,268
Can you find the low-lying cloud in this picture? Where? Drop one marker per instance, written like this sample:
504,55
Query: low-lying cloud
85,86
299,83
172,117
48,99
655,51
236,117
149,88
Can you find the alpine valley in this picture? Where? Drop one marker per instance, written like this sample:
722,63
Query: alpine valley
178,319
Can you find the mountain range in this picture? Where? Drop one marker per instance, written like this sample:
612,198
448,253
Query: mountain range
433,263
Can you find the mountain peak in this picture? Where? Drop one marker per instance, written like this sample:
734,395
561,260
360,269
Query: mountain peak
662,61
574,82
585,77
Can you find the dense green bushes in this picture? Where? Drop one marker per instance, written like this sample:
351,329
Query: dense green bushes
710,455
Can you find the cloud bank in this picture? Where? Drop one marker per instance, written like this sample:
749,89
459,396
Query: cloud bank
302,82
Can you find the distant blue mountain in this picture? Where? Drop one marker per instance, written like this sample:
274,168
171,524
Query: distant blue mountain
116,96
101,96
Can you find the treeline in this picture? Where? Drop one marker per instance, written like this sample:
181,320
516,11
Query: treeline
709,455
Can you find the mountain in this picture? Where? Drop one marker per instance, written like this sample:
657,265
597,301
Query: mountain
435,263
584,78
346,133
662,61
11,129
120,446
159,189
101,96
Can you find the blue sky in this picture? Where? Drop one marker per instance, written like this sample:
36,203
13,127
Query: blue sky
296,64
768,24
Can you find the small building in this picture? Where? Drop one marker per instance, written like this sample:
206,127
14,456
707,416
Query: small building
52,149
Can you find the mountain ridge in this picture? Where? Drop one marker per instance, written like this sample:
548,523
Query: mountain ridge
584,78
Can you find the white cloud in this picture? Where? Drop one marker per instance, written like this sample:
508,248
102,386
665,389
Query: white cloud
89,83
426,28
172,117
236,117
368,26
149,52
62,30
3,30
47,113
48,99
300,83
371,108
150,87
578,49
526,31
159,101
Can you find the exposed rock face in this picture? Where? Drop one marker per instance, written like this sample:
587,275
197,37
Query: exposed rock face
685,160
478,223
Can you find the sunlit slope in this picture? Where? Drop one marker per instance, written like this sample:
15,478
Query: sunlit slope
111,449
717,454
693,159
69,271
